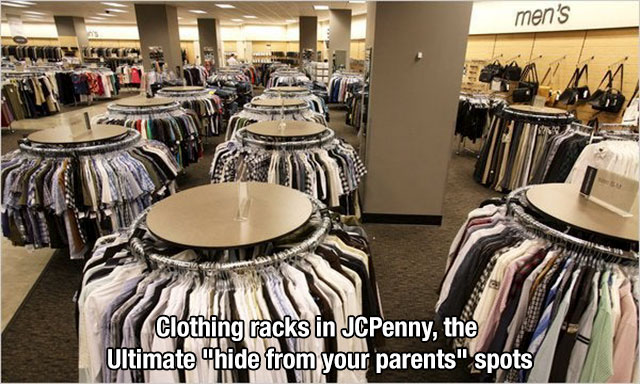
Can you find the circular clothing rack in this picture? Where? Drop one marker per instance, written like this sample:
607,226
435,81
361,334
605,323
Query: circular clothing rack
69,136
564,203
142,102
85,160
286,128
207,216
278,102
273,109
202,101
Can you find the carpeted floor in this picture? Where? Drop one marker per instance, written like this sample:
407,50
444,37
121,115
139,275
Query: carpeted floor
39,344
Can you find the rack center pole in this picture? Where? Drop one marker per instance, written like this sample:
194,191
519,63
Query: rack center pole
87,121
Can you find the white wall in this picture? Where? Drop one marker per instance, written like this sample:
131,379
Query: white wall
489,17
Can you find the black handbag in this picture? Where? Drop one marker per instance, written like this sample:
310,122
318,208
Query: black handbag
574,92
490,71
528,85
512,72
609,99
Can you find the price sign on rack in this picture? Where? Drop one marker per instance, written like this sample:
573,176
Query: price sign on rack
610,190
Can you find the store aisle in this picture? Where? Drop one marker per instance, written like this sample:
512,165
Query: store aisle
72,117
408,262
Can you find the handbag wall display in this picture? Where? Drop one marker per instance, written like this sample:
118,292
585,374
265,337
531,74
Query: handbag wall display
609,99
574,92
528,84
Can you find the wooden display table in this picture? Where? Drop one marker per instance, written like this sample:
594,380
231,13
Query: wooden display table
77,135
207,216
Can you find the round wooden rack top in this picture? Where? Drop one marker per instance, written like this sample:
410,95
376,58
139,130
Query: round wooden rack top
278,102
288,89
186,88
564,202
77,135
538,110
207,216
144,102
292,128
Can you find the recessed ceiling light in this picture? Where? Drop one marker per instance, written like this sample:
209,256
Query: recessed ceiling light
15,5
34,13
291,21
197,11
107,15
225,6
321,7
250,17
116,10
237,20
114,5
25,2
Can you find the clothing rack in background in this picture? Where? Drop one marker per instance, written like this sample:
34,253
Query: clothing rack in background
195,75
203,102
338,85
475,111
316,103
287,77
515,149
301,155
96,181
272,109
160,119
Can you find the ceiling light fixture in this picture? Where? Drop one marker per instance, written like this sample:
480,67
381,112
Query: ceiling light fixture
225,6
198,11
116,10
15,5
114,5
291,21
357,2
96,18
321,7
25,2
250,17
237,20
107,15
34,13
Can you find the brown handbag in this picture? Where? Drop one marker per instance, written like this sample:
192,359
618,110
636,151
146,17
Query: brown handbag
544,89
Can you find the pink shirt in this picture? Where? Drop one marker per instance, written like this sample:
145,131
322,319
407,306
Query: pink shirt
625,338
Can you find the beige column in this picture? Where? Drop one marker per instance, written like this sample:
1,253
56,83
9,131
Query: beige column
210,42
308,30
158,27
72,32
418,56
339,38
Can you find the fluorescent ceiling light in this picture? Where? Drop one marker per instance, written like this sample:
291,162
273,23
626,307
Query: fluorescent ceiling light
96,18
33,16
197,11
15,5
107,15
116,10
321,7
291,21
25,2
34,13
250,17
225,6
237,20
358,2
114,5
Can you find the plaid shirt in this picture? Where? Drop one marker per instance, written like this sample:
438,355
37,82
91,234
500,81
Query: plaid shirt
534,310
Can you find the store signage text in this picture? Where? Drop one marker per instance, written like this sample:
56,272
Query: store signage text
542,16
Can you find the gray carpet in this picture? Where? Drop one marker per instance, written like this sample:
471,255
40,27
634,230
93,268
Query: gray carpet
39,344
